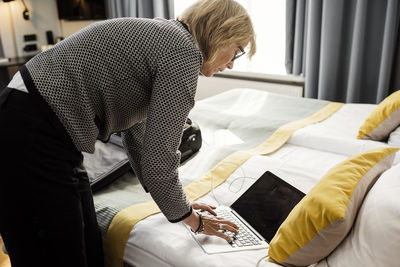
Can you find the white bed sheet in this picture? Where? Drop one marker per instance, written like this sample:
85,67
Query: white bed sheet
307,156
344,123
154,240
338,133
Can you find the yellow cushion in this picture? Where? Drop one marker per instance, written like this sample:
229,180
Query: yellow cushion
383,120
321,220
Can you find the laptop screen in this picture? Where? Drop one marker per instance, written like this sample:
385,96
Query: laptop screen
267,203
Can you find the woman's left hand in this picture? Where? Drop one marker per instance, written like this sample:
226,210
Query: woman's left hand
204,207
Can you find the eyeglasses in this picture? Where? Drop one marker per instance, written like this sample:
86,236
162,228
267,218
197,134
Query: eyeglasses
242,52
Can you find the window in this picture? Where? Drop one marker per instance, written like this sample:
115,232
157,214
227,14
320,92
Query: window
268,17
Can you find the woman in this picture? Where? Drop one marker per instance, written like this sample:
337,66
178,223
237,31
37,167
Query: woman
135,76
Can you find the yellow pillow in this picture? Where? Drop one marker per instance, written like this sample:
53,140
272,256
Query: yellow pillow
322,219
383,120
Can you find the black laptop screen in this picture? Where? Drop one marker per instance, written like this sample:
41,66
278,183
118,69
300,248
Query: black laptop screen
267,203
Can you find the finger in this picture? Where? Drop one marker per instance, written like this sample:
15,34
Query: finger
229,223
204,207
222,235
229,228
210,209
208,205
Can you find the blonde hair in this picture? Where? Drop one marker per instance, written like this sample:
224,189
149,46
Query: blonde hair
216,24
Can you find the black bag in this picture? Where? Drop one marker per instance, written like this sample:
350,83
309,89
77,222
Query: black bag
110,161
191,140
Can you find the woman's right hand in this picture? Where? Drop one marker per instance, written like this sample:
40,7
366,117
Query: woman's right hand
216,225
212,225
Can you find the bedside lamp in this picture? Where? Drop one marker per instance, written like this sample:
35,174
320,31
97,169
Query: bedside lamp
25,13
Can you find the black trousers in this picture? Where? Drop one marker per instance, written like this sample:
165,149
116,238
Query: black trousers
47,215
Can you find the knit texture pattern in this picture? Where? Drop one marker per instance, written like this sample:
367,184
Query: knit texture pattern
129,75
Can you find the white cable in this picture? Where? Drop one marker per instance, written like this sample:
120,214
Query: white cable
243,178
260,260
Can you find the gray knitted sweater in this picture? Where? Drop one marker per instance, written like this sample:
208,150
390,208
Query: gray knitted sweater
136,76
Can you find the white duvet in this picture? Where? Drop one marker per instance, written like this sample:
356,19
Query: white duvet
306,157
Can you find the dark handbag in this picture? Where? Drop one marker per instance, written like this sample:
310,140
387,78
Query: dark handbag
191,140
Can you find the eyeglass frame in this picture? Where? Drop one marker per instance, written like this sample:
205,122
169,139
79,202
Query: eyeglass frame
242,52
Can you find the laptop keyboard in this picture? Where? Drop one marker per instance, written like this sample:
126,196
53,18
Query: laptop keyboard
245,237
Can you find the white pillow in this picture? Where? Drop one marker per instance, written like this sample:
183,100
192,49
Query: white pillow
394,138
375,237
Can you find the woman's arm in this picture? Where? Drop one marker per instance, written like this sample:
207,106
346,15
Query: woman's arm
172,97
132,140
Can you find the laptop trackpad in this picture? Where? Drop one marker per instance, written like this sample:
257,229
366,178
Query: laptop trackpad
213,244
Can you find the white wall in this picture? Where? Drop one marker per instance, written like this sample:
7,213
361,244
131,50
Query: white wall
280,84
43,17
6,31
70,27
207,87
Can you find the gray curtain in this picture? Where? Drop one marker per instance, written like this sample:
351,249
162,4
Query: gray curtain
348,50
141,8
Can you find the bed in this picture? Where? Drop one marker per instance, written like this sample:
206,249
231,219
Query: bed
245,133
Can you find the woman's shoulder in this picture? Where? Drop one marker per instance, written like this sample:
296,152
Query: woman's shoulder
154,39
158,30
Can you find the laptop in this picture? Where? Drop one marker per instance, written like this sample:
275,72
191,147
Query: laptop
258,212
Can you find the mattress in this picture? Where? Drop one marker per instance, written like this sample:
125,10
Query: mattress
236,120
302,161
